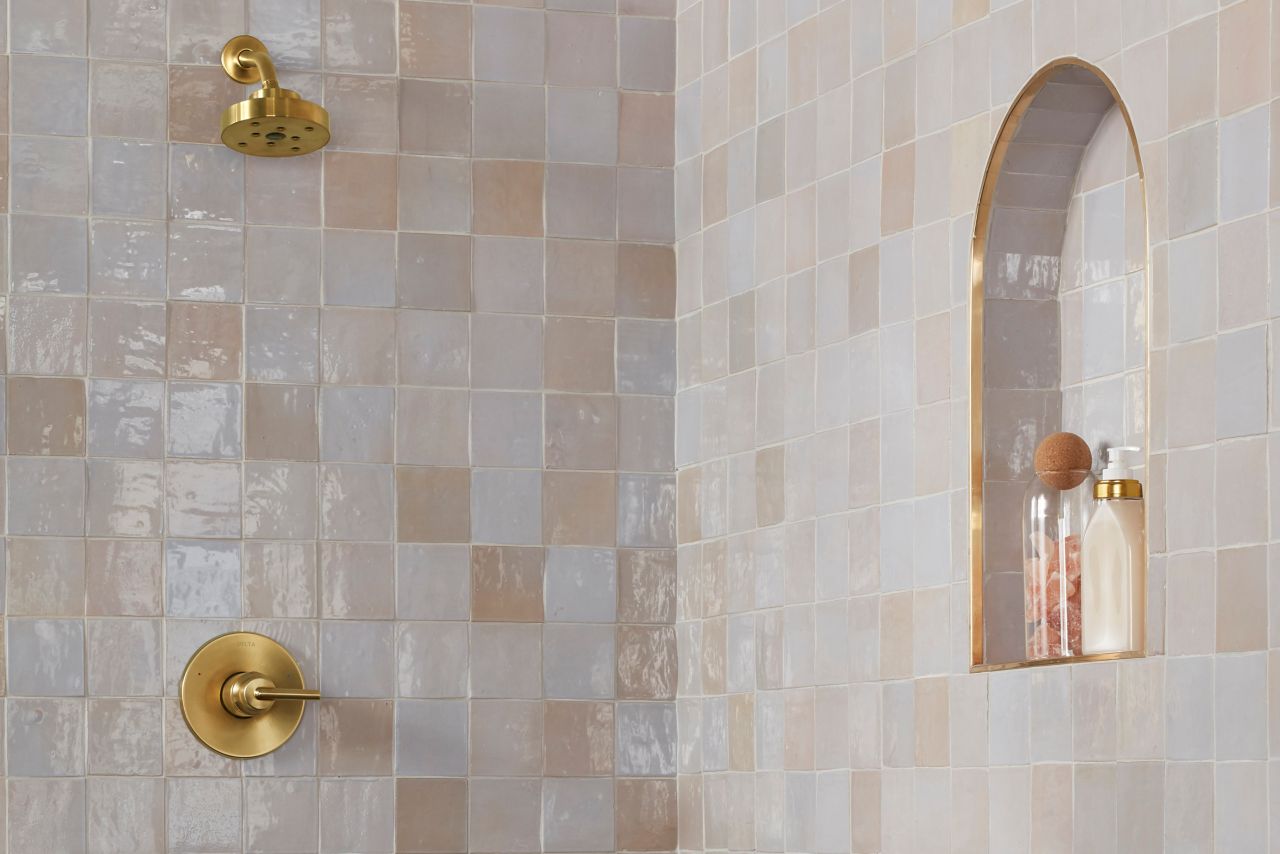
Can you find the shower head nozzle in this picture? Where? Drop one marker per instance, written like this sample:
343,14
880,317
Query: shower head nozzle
272,122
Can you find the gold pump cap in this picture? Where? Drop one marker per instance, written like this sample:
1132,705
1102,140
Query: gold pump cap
1117,479
1105,490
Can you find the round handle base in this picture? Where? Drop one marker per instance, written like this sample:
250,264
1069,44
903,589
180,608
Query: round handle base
241,666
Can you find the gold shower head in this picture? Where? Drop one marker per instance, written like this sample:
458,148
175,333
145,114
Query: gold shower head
272,122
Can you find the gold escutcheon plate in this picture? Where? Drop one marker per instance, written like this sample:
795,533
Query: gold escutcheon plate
199,694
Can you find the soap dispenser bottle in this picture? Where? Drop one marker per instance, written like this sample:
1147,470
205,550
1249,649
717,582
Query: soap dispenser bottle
1113,558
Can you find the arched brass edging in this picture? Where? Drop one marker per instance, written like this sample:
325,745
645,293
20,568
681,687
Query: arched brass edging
981,230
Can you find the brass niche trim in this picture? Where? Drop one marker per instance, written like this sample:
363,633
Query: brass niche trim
242,695
977,293
273,121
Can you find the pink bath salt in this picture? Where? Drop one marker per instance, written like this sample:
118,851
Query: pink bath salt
1073,624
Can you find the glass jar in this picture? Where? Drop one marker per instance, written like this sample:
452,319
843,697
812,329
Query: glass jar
1053,523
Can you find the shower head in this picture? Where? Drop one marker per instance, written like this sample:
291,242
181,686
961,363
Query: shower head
272,122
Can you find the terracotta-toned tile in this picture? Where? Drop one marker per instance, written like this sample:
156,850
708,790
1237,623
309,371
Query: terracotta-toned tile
122,99
359,190
280,580
582,50
433,505
362,112
578,508
581,432
126,339
435,40
46,577
506,738
578,354
510,121
578,738
646,281
191,90
504,813
580,277
355,738
646,129
357,346
280,422
646,815
46,416
205,341
123,578
646,586
435,116
507,197
506,583
431,815
646,662
360,36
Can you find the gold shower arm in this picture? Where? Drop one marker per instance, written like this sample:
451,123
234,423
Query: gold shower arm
261,60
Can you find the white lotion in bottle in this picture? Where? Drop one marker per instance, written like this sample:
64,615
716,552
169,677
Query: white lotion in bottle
1113,562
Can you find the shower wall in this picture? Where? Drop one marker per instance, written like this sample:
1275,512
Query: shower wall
405,405
828,157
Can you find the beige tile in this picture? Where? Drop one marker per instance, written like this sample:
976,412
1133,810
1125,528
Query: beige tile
1243,48
1241,600
1193,72
898,183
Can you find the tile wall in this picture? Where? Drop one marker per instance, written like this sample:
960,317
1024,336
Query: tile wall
828,158
405,405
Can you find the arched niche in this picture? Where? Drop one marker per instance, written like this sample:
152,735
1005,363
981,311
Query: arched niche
1060,307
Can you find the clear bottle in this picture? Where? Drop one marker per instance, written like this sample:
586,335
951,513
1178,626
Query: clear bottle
1056,508
1114,582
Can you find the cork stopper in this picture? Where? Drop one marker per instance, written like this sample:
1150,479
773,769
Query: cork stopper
1063,460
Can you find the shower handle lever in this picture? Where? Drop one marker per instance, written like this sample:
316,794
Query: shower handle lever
250,693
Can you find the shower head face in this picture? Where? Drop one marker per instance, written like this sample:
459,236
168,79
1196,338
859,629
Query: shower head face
275,123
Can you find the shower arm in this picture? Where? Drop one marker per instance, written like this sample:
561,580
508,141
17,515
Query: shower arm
259,60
